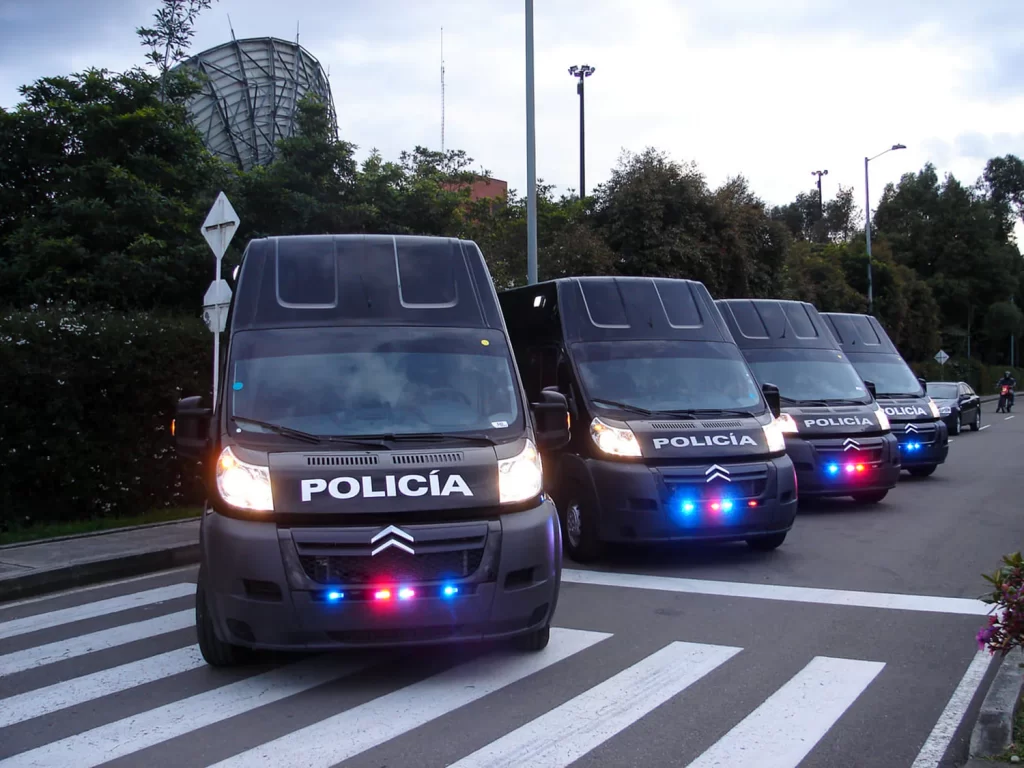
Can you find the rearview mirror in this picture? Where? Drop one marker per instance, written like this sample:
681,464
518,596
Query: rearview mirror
551,416
771,394
191,428
870,385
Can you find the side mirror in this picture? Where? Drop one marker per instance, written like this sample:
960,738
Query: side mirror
191,428
551,415
870,385
923,383
771,394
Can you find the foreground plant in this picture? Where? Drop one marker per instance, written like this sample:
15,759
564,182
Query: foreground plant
1005,629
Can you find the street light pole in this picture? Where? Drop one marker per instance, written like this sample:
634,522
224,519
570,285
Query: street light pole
531,156
581,73
821,203
867,223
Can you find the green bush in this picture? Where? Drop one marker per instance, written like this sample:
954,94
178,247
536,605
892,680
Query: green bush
86,401
982,377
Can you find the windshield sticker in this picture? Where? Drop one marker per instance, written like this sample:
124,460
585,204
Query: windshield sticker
485,342
499,424
238,385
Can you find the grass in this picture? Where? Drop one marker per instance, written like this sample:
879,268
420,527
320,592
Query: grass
50,530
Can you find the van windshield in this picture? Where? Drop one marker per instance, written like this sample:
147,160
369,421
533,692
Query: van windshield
889,373
809,374
668,375
374,381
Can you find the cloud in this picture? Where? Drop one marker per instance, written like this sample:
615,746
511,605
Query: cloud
771,89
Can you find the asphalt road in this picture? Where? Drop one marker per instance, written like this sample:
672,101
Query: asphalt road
852,645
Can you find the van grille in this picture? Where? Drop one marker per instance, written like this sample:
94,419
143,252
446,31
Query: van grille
391,566
340,461
722,424
454,457
673,425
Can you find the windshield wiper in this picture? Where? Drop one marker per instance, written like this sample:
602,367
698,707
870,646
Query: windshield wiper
279,429
708,412
425,437
900,394
625,406
793,401
362,442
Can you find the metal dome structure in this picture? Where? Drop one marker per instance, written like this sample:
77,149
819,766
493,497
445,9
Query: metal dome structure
250,94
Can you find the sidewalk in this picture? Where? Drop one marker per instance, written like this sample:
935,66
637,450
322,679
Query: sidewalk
51,565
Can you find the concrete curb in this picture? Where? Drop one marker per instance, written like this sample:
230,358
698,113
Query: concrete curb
993,731
104,532
129,564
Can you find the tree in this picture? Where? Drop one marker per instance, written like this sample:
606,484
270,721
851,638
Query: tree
171,35
1003,181
803,217
109,195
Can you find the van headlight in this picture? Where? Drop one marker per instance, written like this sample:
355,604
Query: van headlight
787,424
883,420
773,433
244,485
521,477
933,408
614,440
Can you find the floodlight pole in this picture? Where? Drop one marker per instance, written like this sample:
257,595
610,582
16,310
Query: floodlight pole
867,224
581,73
531,155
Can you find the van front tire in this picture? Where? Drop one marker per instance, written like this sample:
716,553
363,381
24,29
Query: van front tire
766,543
215,651
581,536
870,497
534,641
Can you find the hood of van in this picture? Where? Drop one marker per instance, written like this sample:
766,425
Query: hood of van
904,409
700,439
384,481
831,420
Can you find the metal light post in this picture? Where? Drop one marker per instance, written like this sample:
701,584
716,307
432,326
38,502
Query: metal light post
581,73
867,226
531,156
821,203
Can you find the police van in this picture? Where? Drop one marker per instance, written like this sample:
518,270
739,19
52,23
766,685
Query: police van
672,438
923,436
836,434
372,460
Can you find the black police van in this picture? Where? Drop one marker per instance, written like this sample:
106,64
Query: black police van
372,461
836,434
923,436
672,437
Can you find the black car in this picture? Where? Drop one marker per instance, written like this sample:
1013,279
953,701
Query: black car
959,405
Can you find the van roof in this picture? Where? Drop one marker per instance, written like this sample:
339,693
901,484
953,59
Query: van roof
370,280
859,333
619,308
776,324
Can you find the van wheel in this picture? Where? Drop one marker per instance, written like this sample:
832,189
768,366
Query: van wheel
534,641
870,497
581,540
766,543
215,651
922,471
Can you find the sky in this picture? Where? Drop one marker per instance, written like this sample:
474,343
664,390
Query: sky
768,89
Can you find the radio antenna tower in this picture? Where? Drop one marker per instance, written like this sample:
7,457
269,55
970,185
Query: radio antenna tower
442,90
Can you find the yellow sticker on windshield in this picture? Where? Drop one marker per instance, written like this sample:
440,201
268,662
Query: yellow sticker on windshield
485,342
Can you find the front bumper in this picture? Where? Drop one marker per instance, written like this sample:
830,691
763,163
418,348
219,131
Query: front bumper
267,584
821,464
922,444
640,503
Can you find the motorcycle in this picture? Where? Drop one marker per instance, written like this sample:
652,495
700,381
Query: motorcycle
1005,399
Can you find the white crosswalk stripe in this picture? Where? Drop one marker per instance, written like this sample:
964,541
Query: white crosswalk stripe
780,732
96,641
28,624
568,732
43,701
348,734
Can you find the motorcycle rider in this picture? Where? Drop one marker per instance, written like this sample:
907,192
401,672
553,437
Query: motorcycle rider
1006,381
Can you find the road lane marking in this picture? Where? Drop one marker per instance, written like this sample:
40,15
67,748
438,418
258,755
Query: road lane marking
53,698
40,621
564,734
786,726
1010,417
127,736
356,730
938,740
984,427
894,602
41,655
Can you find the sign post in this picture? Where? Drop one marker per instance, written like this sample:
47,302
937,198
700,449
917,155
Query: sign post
218,229
941,357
